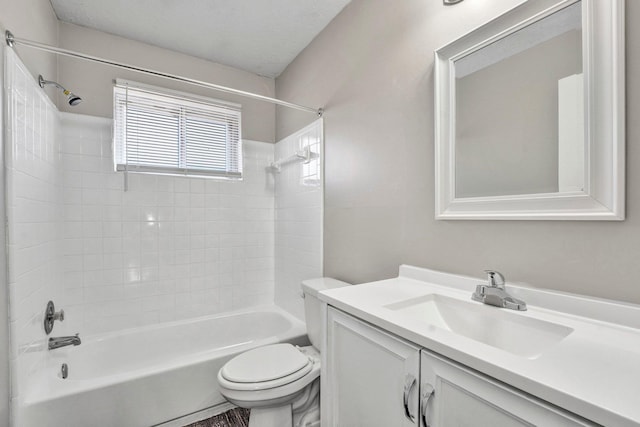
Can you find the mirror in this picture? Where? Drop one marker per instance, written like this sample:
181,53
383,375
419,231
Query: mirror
530,115
508,110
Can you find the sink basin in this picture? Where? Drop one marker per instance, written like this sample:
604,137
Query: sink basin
497,327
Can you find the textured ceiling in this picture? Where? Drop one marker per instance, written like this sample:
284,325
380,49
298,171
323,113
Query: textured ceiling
261,36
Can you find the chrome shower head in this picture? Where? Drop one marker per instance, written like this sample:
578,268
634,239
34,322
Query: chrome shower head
72,98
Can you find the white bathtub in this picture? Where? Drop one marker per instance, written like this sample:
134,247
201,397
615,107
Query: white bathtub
146,376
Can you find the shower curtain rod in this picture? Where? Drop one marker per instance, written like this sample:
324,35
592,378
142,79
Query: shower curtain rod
12,41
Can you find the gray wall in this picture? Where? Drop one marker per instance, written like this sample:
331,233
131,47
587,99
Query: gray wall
372,68
94,82
26,19
35,20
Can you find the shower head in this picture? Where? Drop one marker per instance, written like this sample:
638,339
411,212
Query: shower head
72,98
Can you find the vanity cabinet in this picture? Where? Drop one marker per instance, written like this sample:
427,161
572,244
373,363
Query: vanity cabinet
375,379
373,376
455,396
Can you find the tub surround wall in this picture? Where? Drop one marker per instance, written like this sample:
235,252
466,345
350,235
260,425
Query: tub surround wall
372,70
168,247
298,235
34,216
32,19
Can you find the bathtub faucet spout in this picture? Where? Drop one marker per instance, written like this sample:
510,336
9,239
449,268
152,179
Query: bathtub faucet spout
58,342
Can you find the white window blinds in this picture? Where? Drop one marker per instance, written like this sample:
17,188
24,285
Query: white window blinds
167,132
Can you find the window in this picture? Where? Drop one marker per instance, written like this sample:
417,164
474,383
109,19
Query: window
167,132
310,139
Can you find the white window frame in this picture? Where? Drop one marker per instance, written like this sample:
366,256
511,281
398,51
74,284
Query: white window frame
184,105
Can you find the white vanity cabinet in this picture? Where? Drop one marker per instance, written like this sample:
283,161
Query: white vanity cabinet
375,379
455,396
372,376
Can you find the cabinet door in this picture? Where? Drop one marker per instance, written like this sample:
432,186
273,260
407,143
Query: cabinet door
455,396
372,377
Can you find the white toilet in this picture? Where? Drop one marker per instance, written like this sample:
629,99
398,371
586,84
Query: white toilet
280,383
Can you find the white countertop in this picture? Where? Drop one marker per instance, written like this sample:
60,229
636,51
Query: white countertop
593,372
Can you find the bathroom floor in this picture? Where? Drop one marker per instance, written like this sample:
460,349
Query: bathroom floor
237,417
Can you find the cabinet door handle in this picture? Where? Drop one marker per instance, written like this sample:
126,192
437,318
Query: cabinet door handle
409,384
428,392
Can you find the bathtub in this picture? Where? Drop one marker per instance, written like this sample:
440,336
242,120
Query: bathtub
150,375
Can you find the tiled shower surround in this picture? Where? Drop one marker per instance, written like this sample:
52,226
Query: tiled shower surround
34,216
169,247
299,200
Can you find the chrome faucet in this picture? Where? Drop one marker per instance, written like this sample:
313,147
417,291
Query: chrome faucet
494,293
58,342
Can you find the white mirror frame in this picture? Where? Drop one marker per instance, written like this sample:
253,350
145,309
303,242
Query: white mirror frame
603,197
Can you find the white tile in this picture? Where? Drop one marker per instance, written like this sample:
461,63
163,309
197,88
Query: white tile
103,293
181,185
112,213
72,196
72,247
113,276
197,200
181,213
212,186
92,262
111,196
165,213
91,229
113,261
166,184
92,246
92,213
165,199
91,164
196,214
174,245
92,180
197,185
112,229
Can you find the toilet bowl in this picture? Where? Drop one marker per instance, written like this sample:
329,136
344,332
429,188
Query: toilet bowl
280,383
277,382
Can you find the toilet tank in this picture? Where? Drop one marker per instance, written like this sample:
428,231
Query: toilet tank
312,305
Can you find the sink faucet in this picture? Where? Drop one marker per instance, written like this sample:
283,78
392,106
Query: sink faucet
494,293
58,342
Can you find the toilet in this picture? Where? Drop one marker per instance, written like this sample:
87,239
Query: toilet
280,383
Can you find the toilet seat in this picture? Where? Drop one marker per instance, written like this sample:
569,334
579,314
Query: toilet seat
265,367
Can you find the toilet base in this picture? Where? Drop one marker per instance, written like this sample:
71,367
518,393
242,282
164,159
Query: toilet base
270,417
304,411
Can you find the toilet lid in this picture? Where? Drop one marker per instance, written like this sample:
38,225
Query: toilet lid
265,364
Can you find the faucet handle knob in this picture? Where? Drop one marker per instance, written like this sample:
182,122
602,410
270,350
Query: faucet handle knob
50,316
495,278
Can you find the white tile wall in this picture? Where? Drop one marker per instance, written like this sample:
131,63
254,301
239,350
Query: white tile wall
169,247
299,204
34,212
